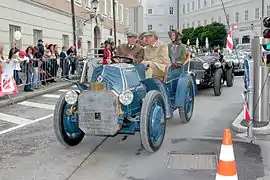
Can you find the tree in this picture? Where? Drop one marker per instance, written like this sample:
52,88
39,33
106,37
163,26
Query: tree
187,34
215,32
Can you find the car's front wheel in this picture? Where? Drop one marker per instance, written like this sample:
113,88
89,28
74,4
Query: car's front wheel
152,121
218,82
65,123
229,77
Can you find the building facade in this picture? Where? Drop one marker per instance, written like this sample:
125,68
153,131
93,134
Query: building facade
161,16
245,13
51,21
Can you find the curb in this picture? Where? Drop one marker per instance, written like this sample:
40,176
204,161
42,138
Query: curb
19,98
236,126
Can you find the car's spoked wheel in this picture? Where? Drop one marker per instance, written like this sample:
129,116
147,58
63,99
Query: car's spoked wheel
152,123
65,122
186,112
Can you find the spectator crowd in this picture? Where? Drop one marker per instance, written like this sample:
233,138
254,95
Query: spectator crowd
39,65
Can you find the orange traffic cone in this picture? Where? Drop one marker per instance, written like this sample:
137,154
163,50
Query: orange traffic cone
226,164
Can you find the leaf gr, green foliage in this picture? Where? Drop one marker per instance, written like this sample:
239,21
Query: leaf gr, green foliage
216,33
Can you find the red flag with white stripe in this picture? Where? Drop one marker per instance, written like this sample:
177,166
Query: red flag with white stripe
229,42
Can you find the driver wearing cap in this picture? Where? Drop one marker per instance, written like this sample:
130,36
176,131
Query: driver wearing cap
131,49
156,56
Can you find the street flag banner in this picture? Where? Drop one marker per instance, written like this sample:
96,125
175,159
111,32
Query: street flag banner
229,42
246,113
8,84
234,26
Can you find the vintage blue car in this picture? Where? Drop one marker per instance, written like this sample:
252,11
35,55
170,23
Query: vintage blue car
119,99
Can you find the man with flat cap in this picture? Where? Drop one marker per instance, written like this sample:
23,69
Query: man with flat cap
131,49
156,55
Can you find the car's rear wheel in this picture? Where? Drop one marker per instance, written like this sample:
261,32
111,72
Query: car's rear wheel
152,121
218,82
186,111
66,127
229,77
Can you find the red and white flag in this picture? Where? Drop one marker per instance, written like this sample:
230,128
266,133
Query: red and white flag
246,113
229,42
234,26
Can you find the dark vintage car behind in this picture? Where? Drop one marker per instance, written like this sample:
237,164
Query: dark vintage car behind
201,66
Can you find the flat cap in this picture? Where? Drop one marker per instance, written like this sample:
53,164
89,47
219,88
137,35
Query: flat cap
132,34
151,33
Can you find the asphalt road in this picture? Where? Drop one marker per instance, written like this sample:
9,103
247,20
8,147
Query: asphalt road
29,150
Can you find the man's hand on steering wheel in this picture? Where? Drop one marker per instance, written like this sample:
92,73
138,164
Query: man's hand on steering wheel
122,59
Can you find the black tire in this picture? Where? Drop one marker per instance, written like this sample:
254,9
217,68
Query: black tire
229,77
58,125
184,115
147,108
217,82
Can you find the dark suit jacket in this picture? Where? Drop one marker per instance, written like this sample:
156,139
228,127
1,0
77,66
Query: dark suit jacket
137,52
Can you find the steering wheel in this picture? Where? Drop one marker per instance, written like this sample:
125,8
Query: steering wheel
123,59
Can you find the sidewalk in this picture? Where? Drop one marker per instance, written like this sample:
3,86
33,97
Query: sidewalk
240,125
12,99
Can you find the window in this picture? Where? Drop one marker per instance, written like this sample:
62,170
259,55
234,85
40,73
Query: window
245,39
65,40
171,10
193,5
212,20
171,27
121,9
150,27
116,11
199,4
12,30
205,22
184,9
87,3
37,35
199,23
193,24
257,13
89,46
246,15
187,25
79,2
219,19
111,11
237,17
228,18
150,11
127,17
184,26
188,7
268,11
104,6
205,3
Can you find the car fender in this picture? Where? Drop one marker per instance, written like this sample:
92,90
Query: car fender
155,84
181,88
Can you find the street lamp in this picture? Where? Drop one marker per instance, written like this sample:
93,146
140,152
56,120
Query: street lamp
94,5
252,27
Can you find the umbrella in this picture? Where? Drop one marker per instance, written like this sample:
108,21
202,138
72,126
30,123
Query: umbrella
206,43
197,42
188,42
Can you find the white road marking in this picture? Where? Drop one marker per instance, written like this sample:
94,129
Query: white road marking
14,119
22,125
63,90
37,105
74,86
51,95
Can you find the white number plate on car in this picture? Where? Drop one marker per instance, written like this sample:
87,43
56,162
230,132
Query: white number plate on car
197,81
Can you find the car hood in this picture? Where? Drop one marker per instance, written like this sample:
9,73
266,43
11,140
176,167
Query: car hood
203,59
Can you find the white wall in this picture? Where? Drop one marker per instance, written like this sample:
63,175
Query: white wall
160,19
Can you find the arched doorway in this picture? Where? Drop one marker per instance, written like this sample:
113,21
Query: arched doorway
97,38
